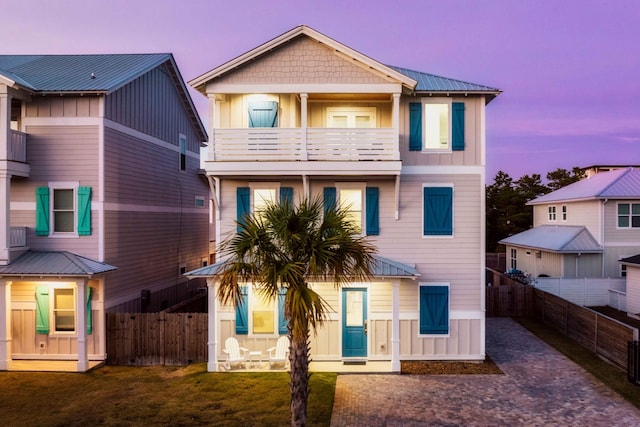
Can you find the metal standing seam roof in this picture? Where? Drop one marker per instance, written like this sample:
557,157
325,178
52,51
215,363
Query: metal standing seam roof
64,263
383,267
615,184
556,238
432,83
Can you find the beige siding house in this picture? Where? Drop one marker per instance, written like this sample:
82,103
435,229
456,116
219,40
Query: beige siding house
304,116
583,229
103,206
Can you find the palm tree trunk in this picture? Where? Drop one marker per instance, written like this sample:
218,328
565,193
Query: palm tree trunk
299,376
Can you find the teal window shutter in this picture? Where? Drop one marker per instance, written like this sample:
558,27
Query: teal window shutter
415,126
89,318
282,320
242,312
434,309
243,200
42,310
438,211
373,221
329,195
84,211
286,195
42,211
263,114
458,126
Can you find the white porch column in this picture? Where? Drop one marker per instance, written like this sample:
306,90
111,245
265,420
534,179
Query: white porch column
213,117
212,343
303,124
395,326
5,178
395,120
81,304
5,325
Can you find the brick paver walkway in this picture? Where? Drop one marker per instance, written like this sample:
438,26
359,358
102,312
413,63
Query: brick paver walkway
540,387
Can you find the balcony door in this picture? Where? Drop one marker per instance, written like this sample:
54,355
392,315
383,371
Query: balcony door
351,117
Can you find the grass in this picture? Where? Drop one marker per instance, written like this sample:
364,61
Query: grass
611,376
182,396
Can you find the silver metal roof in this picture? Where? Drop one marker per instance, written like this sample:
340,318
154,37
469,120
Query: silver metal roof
615,184
556,238
432,83
36,263
383,267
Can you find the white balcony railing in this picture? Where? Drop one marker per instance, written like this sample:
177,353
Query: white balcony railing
317,144
17,147
18,237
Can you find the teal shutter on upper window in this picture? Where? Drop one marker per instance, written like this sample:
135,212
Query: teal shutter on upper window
282,320
438,211
89,318
373,222
434,309
42,310
458,126
42,211
329,194
415,126
286,195
242,312
243,208
263,114
84,211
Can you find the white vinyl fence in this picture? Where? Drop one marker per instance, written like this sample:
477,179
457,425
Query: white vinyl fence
589,292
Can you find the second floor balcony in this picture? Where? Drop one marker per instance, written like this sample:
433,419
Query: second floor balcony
13,153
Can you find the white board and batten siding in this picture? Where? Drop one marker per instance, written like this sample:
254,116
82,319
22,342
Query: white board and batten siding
633,290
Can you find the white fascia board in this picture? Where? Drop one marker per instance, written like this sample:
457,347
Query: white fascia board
215,88
253,168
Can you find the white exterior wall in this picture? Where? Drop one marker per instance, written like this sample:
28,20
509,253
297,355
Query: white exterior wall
633,290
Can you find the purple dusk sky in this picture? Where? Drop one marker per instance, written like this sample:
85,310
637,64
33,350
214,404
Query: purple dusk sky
569,69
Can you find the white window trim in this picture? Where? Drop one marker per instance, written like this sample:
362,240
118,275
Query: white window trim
52,318
63,185
448,285
453,212
552,213
630,216
362,186
432,101
370,111
202,200
564,212
251,294
262,186
513,259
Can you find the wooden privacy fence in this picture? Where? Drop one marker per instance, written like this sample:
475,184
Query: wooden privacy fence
604,336
171,339
510,301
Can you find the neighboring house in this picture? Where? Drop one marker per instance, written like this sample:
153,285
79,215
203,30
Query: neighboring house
103,207
303,116
631,270
581,230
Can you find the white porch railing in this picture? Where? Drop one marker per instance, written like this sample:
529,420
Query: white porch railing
17,146
18,237
318,144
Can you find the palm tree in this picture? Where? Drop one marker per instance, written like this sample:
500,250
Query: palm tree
284,247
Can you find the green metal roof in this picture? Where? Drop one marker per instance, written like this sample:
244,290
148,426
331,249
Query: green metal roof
383,267
42,263
432,83
78,73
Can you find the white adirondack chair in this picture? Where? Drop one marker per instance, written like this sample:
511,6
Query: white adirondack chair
279,353
235,353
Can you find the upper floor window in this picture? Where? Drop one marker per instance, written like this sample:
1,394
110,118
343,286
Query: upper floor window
436,126
253,199
351,199
552,213
437,210
628,215
623,270
183,152
564,212
63,208
351,117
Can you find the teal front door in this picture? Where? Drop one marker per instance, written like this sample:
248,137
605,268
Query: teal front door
354,322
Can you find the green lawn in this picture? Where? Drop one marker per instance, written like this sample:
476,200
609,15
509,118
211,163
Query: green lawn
184,396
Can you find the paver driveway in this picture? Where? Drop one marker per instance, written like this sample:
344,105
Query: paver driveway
540,387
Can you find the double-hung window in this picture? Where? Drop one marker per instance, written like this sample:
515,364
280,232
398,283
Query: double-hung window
256,315
56,310
514,259
434,309
361,202
63,209
255,198
551,213
437,212
436,125
628,215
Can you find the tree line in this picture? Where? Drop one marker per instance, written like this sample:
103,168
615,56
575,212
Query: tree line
507,211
